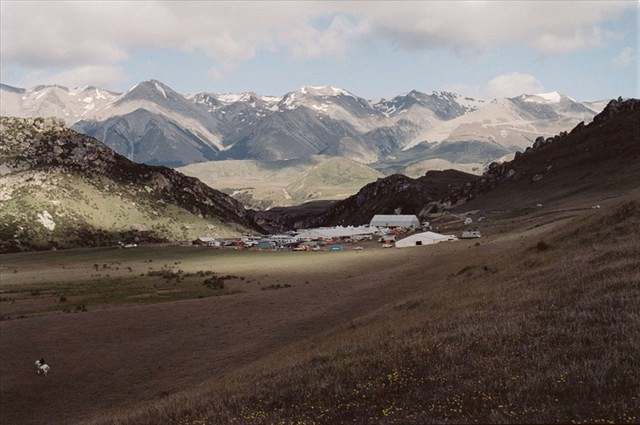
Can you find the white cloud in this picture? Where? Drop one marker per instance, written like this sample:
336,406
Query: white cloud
310,42
95,75
549,27
579,40
504,85
215,73
625,58
45,35
514,84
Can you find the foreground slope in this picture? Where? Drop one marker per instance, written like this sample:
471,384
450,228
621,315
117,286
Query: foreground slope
540,323
59,188
549,335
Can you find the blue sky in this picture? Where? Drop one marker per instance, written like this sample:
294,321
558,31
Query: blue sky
587,50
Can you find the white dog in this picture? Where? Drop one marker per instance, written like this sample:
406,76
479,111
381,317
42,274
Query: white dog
42,368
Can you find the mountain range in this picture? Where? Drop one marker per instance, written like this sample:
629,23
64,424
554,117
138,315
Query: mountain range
154,124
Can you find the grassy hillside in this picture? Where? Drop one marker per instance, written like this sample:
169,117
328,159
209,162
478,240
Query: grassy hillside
265,184
61,189
87,213
334,178
543,333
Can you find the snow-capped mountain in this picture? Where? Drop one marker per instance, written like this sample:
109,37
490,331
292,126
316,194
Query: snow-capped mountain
71,105
443,105
153,123
512,123
334,102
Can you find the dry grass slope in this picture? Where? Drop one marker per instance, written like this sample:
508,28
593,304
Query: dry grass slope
548,334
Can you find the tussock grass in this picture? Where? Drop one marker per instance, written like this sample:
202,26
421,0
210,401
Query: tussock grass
552,337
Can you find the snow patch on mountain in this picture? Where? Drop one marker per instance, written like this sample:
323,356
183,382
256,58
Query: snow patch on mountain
233,97
160,89
549,98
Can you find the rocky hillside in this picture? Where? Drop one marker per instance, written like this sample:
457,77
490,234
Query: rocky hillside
389,195
601,156
59,188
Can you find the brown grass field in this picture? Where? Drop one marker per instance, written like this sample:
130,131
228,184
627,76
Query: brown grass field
539,321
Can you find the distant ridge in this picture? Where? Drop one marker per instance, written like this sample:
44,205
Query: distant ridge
154,124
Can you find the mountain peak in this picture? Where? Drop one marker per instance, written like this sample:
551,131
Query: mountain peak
549,97
323,91
553,96
151,89
415,93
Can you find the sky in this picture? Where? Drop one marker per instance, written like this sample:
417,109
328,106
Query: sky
587,50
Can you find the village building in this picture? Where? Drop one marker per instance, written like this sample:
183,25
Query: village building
395,220
424,238
207,241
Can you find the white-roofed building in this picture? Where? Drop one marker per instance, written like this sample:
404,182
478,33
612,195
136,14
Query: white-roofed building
424,238
395,220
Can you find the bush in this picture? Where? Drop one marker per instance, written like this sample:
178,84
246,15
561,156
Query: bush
214,282
276,286
542,246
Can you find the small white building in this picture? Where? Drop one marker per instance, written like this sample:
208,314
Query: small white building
208,241
424,238
395,220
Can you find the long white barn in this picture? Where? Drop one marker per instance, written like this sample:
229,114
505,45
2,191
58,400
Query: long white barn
394,220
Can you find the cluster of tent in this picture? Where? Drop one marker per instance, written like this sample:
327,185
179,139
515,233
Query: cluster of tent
336,232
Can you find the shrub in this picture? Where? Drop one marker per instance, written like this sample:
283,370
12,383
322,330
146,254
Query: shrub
214,282
276,286
542,246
